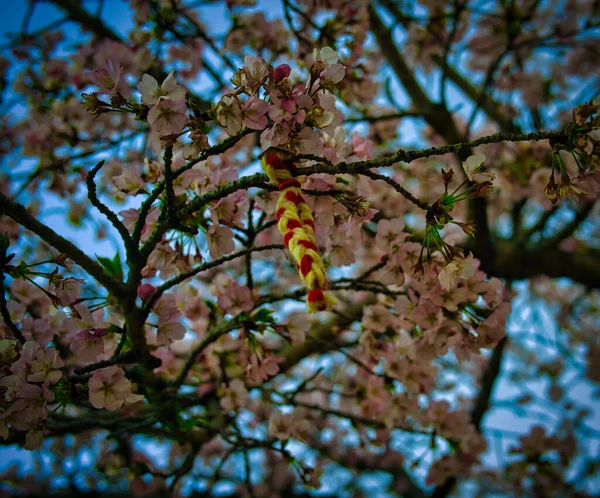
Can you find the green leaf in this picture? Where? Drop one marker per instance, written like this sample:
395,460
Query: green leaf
4,242
264,315
112,266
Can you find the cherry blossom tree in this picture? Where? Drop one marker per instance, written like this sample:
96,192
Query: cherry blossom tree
309,248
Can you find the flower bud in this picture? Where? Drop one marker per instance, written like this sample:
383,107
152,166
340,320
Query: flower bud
145,291
280,72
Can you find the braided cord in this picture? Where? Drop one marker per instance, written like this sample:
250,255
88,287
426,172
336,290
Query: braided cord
296,223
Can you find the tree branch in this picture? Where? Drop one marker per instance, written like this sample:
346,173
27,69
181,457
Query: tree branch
18,213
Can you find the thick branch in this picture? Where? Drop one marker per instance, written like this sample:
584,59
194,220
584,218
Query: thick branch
512,263
18,213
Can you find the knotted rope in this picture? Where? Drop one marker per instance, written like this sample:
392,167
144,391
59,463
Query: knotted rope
296,223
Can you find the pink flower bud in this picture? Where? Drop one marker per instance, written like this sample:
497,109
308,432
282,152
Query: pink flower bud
99,332
145,291
280,72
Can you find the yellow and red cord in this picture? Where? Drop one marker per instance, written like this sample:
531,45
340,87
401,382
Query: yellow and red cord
296,223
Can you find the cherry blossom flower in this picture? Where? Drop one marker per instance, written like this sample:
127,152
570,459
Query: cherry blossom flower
168,90
390,233
377,318
8,351
220,240
68,290
298,324
274,136
107,78
475,171
145,291
45,367
168,117
169,327
234,395
457,268
166,308
252,76
130,181
169,332
229,114
307,141
87,346
280,72
332,75
284,426
253,112
326,55
110,389
258,371
37,329
236,299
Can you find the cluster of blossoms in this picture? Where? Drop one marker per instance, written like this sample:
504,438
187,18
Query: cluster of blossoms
28,375
168,110
478,182
291,111
584,147
109,389
163,106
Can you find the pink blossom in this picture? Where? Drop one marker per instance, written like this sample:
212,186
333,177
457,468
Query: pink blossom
280,72
234,395
20,415
168,332
274,136
220,240
8,351
326,55
168,117
45,367
332,75
130,180
84,319
229,114
258,370
457,268
307,142
449,299
363,147
168,90
377,318
475,171
298,324
163,258
393,271
253,111
34,438
37,329
285,105
236,299
251,77
283,426
232,208
109,389
166,308
426,314
107,78
87,346
390,233
144,291
169,320
68,290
